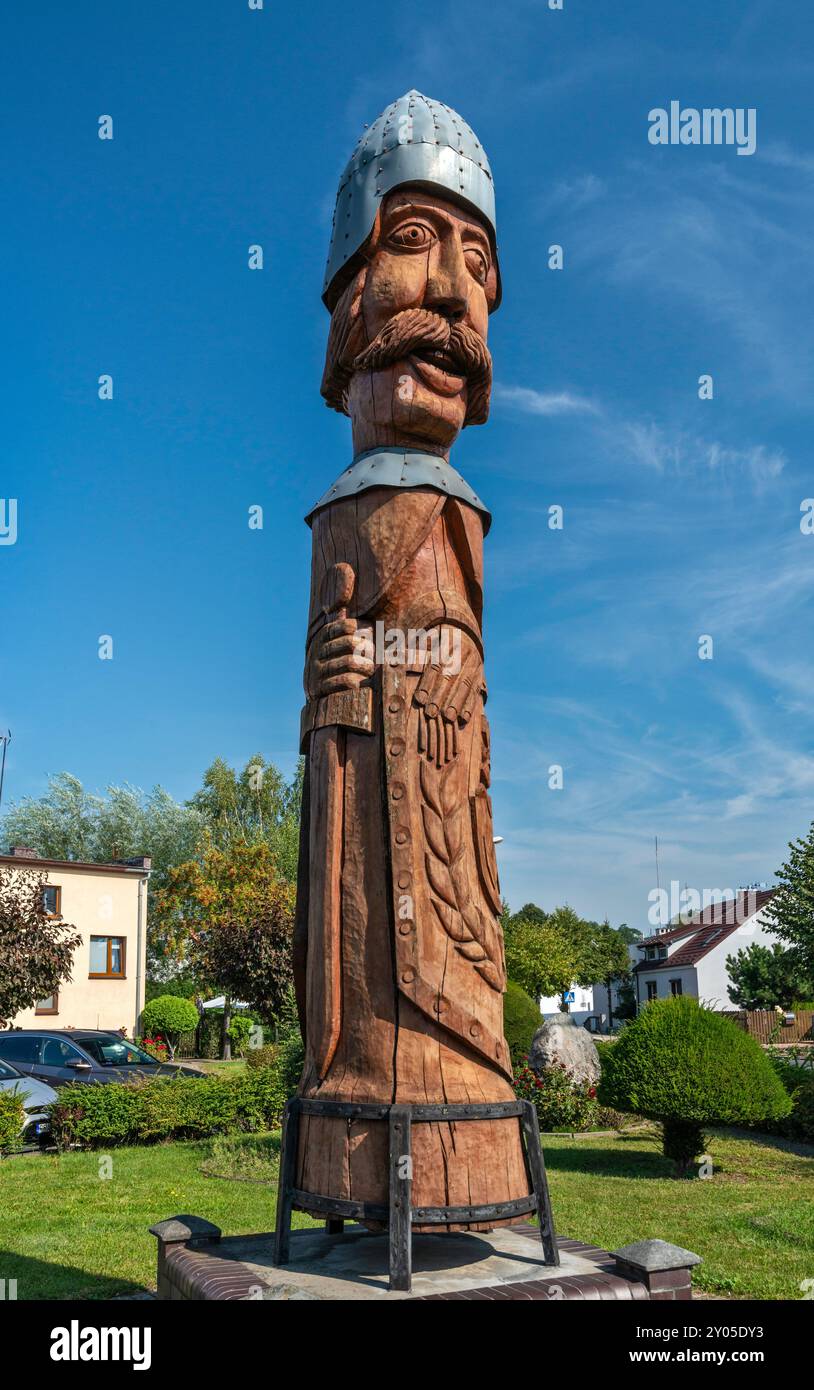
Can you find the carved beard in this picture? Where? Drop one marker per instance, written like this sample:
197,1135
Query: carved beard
402,335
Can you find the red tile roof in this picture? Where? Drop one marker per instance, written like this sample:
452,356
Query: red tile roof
706,929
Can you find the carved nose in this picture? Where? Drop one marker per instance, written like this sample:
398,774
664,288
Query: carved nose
442,300
447,291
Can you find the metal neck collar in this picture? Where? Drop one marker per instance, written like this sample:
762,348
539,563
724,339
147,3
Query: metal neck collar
402,467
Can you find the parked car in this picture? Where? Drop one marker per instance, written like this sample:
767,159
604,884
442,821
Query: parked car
82,1054
35,1096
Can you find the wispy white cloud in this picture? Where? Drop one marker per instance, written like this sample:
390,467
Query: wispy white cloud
686,452
574,194
533,402
676,450
733,245
784,157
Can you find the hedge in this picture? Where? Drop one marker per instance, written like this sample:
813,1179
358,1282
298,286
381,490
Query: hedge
521,1019
12,1117
799,1083
800,1123
181,1108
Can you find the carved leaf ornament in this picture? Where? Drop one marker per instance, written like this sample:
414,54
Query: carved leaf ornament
445,813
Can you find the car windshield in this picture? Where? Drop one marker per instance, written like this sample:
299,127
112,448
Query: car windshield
8,1073
111,1051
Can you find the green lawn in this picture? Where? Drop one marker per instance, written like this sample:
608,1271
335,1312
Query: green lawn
214,1067
66,1232
752,1221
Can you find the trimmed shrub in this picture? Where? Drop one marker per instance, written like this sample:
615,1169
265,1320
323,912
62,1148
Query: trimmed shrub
264,1056
181,1108
800,1124
169,1015
521,1019
688,1067
12,1117
560,1102
289,1064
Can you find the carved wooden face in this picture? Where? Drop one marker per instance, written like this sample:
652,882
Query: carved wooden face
419,311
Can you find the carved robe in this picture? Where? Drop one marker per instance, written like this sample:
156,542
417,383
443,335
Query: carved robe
398,950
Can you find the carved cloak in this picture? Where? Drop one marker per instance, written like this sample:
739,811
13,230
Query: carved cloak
398,949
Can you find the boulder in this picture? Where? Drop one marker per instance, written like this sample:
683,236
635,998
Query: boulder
560,1041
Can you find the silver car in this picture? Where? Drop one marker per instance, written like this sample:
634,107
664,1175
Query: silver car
35,1096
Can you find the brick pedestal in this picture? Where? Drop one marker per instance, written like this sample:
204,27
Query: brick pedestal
664,1269
195,1263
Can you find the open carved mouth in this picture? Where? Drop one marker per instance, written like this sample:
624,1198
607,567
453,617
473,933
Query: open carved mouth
439,370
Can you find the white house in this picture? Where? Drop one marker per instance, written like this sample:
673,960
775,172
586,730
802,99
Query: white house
580,1007
691,958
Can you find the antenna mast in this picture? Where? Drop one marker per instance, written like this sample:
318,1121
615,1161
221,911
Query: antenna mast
5,739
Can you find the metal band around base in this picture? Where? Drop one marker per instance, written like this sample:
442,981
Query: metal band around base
429,1114
424,1216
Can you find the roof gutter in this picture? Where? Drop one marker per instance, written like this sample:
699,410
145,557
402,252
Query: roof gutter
140,931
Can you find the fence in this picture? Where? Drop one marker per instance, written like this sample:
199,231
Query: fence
769,1027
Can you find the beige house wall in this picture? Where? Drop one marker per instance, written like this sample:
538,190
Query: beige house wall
98,901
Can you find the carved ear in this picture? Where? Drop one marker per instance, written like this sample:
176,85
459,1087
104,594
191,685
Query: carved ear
346,339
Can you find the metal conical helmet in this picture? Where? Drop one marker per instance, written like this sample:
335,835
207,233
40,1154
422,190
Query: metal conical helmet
415,140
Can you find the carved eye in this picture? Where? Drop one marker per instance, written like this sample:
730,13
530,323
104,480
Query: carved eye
476,264
414,235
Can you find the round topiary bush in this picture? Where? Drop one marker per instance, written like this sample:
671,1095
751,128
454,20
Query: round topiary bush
521,1019
687,1067
169,1015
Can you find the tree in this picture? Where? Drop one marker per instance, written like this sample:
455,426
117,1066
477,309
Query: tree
609,957
250,958
791,909
764,977
688,1067
548,952
538,956
626,999
254,805
69,822
231,913
581,939
36,951
170,1016
530,912
603,954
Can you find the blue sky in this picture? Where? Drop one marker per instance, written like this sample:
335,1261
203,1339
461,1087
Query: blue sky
682,516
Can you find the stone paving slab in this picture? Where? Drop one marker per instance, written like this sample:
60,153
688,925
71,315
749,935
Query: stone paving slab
354,1266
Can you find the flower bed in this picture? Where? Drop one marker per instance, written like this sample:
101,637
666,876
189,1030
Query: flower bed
561,1103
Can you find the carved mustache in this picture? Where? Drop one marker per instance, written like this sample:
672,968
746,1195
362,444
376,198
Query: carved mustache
413,329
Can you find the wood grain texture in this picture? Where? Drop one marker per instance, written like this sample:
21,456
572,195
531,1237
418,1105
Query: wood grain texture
421,950
399,953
